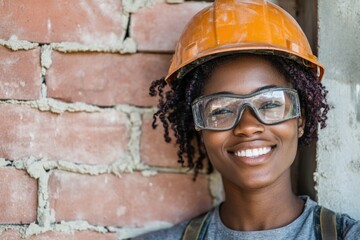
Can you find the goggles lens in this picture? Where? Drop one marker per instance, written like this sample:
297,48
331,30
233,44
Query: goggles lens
223,111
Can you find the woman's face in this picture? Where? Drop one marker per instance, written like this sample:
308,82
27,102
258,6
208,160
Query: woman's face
276,143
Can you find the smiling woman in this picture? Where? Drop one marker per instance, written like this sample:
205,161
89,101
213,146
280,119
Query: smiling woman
245,92
245,75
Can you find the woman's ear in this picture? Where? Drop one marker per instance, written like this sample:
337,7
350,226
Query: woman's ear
301,123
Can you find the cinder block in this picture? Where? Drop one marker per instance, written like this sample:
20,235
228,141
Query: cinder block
20,74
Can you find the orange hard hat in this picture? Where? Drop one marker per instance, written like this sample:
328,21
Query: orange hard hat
233,26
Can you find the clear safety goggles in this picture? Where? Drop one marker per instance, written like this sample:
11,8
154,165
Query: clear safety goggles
223,111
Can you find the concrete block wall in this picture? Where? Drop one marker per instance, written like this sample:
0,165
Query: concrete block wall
78,156
338,160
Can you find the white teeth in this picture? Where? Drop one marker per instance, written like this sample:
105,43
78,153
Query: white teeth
255,152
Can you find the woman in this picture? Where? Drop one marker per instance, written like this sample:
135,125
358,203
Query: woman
245,91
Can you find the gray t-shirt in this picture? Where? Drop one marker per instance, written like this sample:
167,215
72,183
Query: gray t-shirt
301,228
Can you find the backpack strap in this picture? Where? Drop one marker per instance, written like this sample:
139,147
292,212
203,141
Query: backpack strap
326,224
197,227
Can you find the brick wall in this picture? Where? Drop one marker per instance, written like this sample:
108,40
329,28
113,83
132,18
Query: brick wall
78,156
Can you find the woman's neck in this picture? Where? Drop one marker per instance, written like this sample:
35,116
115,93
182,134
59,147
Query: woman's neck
262,209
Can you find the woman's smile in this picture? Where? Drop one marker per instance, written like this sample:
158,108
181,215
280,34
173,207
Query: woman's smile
251,153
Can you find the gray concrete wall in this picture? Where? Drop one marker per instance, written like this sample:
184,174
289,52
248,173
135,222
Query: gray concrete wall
338,154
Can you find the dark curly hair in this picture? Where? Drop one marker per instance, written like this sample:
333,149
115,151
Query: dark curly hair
174,108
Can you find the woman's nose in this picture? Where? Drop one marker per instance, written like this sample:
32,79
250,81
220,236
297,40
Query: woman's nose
248,124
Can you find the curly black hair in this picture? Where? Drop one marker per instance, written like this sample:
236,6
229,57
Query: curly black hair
174,109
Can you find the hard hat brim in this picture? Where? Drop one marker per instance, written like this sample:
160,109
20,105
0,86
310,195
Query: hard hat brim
249,48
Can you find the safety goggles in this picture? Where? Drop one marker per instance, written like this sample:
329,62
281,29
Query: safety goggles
223,111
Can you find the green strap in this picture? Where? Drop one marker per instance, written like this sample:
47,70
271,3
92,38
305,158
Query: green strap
197,227
328,224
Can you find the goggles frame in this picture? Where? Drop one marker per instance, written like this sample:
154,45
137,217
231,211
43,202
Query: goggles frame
197,115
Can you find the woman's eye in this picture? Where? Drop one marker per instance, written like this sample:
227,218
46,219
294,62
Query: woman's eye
270,105
220,111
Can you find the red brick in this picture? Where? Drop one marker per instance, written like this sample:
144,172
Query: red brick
76,235
89,22
131,200
105,79
18,196
10,235
20,74
158,28
99,137
154,150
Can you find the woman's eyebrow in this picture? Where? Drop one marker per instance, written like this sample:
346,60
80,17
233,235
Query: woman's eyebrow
256,90
264,87
224,92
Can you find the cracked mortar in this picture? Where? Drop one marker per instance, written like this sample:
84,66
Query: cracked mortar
135,116
35,169
56,106
126,46
115,168
46,61
4,162
66,227
132,6
72,226
20,229
14,44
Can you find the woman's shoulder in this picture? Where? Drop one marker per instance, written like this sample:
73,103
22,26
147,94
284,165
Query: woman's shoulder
323,220
349,227
346,226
